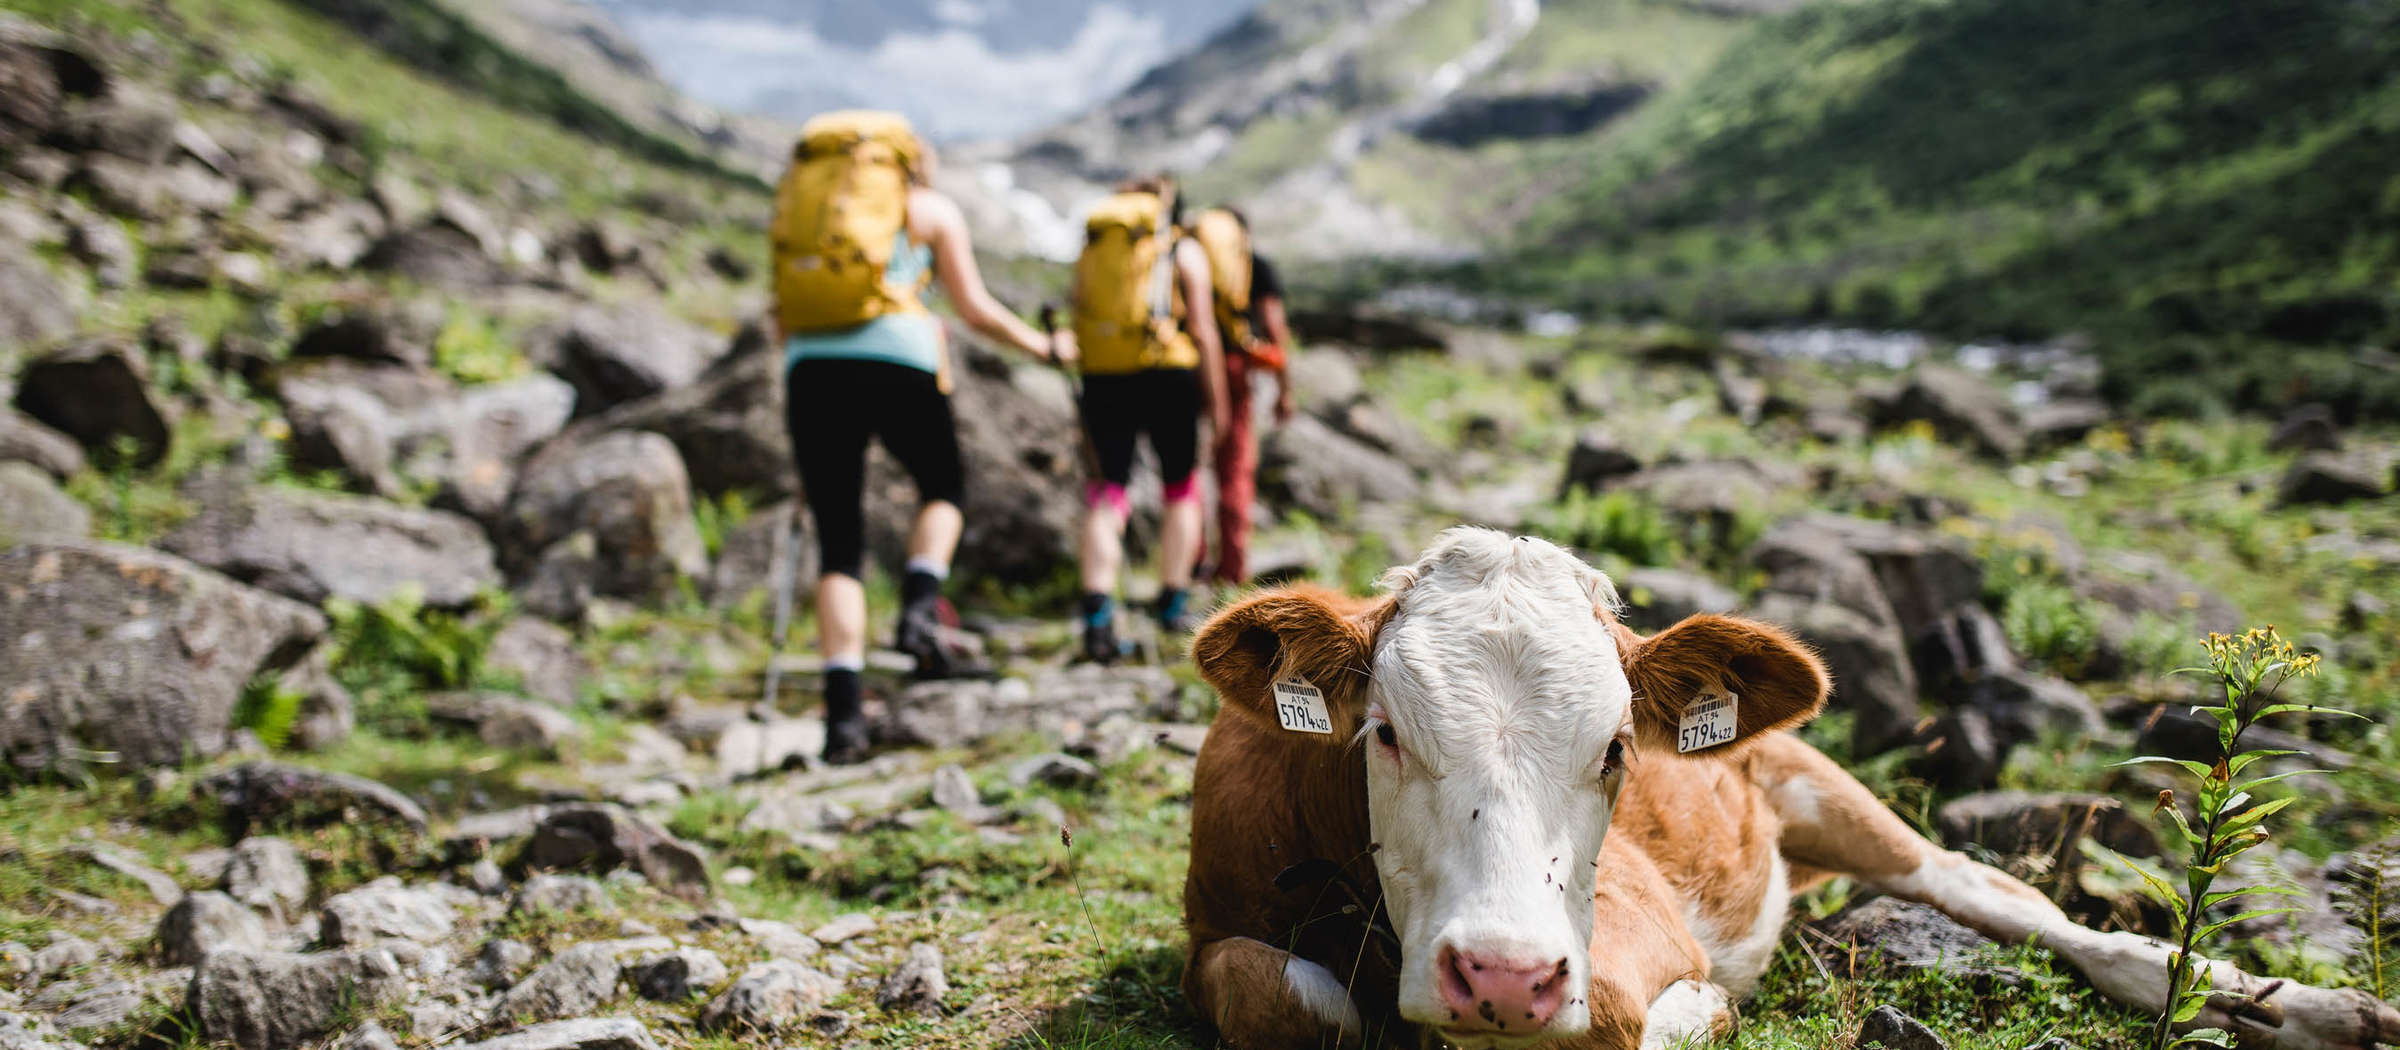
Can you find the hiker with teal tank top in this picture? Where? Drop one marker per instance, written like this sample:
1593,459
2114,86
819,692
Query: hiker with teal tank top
857,235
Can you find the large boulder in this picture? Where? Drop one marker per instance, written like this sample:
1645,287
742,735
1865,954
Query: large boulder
393,428
1868,662
768,997
1962,408
628,493
267,874
1311,466
204,923
317,546
134,123
745,563
401,333
96,391
123,650
543,658
435,256
35,510
34,310
603,838
1926,586
2019,823
1597,459
1657,598
613,355
574,983
385,909
2333,478
257,1000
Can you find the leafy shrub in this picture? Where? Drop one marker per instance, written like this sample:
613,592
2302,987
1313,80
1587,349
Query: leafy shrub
388,654
2049,624
471,349
1612,523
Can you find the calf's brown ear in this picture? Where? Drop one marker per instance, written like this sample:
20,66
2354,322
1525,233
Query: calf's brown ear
1316,637
1683,676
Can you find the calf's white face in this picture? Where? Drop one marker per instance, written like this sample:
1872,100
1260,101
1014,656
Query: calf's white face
1498,714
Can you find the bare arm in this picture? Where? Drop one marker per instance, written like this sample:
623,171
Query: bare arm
1279,330
944,227
1199,309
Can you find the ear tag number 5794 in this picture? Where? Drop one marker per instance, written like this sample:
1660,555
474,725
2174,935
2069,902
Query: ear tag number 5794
1708,722
1301,707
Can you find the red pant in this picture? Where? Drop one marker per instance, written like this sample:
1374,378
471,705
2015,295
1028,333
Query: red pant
1236,465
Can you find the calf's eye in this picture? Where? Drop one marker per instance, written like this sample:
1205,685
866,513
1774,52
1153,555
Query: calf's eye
1385,736
1615,759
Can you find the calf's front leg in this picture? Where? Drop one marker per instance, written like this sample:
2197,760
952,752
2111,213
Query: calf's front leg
1264,998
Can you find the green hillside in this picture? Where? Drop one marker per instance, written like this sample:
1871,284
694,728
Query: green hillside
2204,188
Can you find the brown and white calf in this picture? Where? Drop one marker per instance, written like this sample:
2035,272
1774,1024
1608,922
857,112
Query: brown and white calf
1481,809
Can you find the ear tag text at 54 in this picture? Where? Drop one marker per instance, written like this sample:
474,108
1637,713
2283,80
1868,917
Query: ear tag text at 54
1708,722
1300,707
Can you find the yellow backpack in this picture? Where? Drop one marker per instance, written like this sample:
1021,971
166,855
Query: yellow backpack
839,214
1227,242
1128,307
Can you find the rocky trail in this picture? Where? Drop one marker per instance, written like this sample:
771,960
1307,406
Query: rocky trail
388,511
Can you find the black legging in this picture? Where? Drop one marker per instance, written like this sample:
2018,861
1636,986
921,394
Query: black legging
832,406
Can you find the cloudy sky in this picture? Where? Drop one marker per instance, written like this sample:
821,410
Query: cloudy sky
962,69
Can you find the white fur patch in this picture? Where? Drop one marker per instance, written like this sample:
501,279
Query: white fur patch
1738,957
1322,994
1683,1014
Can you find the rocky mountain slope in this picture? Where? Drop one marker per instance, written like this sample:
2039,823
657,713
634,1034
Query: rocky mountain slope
388,506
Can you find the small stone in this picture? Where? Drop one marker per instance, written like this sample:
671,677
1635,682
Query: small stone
576,982
1055,770
276,1000
487,878
1887,1027
104,1006
589,1033
267,874
502,962
205,922
676,976
843,928
781,940
953,790
561,894
65,952
832,1024
163,889
385,908
918,985
368,1036
768,997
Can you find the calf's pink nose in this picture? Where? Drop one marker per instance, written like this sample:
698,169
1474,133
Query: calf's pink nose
1495,993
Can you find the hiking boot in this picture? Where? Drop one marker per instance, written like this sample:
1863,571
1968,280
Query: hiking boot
847,742
929,632
1175,613
1100,643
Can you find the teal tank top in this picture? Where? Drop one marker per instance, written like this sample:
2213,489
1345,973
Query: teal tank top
911,339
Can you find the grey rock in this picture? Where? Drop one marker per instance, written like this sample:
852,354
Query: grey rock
131,651
278,1000
1056,770
163,888
106,1005
274,794
1657,598
603,838
267,874
746,748
844,927
1890,1029
502,962
588,1033
2056,424
781,940
745,565
1893,936
368,1036
574,983
1868,662
28,1032
2024,705
1963,409
918,986
385,909
23,439
2307,428
135,123
628,491
676,976
96,391
1309,465
436,257
207,922
2333,478
317,546
543,658
455,210
327,712
614,355
1961,750
102,246
64,952
768,997
959,713
2019,823
509,723
1596,460
401,333
563,894
953,790
33,308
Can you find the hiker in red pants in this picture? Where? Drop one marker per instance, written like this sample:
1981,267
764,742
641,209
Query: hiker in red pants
1250,318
